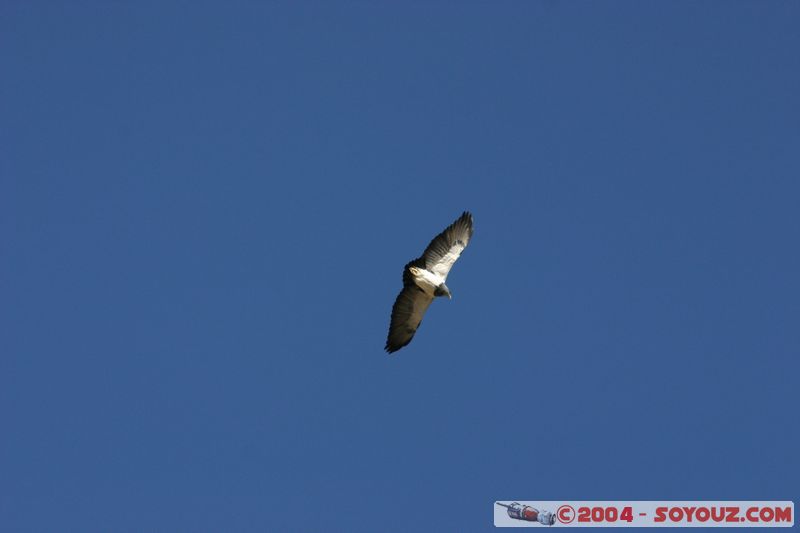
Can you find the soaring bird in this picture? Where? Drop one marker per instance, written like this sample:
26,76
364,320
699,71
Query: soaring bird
423,280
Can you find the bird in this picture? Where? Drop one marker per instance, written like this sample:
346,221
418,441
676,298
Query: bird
424,279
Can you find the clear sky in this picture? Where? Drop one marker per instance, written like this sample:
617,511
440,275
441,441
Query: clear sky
205,209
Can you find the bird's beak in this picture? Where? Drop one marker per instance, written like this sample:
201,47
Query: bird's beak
449,296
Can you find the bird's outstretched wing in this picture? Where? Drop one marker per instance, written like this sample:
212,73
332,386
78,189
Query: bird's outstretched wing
446,247
407,313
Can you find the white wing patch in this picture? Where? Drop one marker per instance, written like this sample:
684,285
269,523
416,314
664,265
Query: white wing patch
446,247
443,265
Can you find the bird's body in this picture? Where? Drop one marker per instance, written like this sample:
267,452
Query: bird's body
424,279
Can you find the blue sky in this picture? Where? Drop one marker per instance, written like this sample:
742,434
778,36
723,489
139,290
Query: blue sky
205,209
